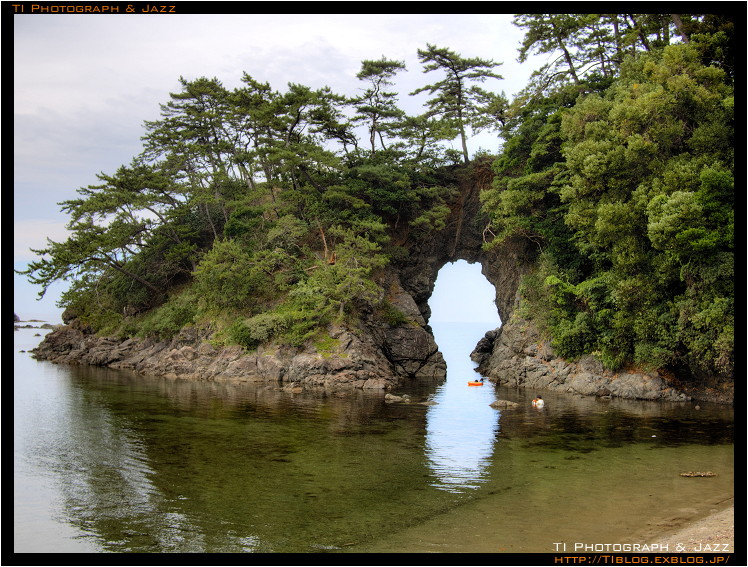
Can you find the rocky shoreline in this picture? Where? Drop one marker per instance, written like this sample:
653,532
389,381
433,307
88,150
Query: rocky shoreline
382,360
516,355
374,356
348,362
377,356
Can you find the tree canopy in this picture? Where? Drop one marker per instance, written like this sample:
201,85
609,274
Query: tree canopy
626,185
252,207
459,104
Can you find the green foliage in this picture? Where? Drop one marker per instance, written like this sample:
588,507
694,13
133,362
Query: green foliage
262,328
101,313
168,319
391,314
295,312
229,277
326,345
640,182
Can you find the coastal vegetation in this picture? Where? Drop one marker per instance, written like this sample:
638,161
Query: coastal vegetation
268,215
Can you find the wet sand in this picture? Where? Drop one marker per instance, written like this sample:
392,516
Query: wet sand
713,534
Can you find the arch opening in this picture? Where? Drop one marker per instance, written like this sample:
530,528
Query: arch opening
462,294
463,308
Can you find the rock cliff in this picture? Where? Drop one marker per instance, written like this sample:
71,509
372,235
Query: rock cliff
516,355
373,356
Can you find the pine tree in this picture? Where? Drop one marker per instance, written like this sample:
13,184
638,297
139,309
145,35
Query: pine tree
457,102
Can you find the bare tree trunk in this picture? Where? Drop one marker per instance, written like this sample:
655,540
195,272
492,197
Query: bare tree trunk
324,240
210,221
463,136
642,37
567,56
679,24
617,35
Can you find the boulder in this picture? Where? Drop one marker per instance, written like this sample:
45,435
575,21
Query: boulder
391,398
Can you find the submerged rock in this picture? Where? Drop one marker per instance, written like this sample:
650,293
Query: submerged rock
390,398
503,404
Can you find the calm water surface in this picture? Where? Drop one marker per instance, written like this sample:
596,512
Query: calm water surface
111,461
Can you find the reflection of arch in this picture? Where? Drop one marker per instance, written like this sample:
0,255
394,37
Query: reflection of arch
459,443
462,428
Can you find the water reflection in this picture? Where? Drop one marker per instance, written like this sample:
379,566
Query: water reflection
132,463
224,465
111,461
460,436
583,423
462,428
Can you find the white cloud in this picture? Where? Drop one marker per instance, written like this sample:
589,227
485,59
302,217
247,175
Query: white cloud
33,233
83,85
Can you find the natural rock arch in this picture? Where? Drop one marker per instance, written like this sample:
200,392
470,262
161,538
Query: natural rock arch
411,349
381,356
462,239
516,354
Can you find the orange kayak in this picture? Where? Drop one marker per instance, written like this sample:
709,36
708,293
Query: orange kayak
475,383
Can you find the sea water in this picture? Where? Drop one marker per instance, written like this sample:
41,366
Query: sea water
109,460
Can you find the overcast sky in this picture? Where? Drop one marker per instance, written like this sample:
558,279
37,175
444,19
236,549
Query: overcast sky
84,84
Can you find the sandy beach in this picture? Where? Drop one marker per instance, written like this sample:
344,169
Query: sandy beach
713,534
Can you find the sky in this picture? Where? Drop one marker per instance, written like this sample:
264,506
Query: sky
85,83
462,294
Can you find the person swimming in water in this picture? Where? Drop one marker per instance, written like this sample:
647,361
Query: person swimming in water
538,402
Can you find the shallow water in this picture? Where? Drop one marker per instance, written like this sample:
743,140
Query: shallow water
111,461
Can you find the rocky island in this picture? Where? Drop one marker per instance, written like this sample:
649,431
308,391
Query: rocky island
255,239
381,354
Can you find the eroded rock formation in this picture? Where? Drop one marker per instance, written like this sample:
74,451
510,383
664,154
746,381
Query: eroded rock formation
515,354
376,357
380,356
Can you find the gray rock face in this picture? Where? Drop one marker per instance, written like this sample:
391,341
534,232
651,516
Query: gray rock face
377,357
515,355
463,239
199,360
410,347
